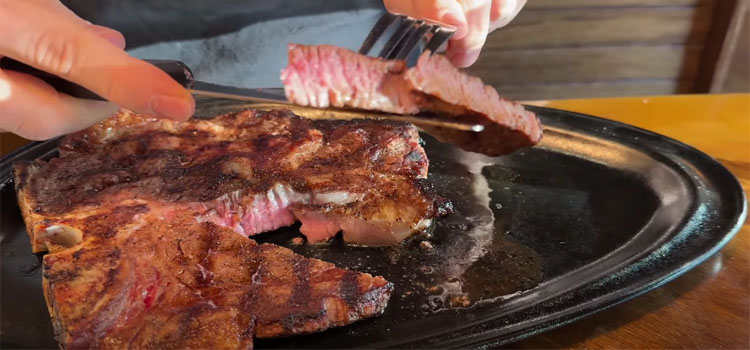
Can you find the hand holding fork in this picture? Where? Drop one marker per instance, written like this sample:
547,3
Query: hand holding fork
472,19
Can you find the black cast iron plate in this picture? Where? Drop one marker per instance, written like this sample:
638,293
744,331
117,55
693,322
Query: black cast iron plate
598,213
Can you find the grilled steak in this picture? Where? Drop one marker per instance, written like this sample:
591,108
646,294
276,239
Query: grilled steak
141,219
252,171
323,76
145,275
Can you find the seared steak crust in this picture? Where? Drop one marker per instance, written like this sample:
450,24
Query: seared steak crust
323,76
136,215
200,160
251,171
149,276
140,217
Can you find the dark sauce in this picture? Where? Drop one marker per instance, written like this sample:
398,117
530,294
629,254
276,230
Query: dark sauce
465,259
515,226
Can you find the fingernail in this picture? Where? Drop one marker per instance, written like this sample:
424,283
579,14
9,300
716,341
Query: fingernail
172,107
114,38
460,24
111,35
508,12
462,59
507,9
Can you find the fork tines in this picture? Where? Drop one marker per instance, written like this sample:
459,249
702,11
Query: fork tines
406,36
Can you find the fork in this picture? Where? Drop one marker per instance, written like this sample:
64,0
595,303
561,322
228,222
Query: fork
406,37
403,41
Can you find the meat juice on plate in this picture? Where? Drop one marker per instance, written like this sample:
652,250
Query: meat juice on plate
479,271
466,258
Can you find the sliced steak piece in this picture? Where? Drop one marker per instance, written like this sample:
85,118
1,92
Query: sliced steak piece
323,76
251,171
151,276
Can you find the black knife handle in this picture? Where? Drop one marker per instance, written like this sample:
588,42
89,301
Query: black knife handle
179,71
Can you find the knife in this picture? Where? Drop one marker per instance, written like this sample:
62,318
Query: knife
181,73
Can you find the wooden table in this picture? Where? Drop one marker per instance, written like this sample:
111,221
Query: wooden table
708,307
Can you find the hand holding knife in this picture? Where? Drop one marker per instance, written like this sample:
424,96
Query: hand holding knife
181,73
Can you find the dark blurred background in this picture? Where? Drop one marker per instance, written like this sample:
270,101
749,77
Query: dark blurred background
555,49
593,48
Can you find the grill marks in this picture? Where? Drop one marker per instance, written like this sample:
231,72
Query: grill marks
147,274
202,162
166,281
349,286
289,302
183,328
323,76
301,292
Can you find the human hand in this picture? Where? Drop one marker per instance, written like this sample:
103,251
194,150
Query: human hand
474,19
46,35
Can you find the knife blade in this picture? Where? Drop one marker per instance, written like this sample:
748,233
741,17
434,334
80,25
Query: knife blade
181,73
277,97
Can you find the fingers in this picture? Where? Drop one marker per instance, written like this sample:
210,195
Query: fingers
34,110
445,11
474,19
85,54
111,35
504,11
114,37
464,51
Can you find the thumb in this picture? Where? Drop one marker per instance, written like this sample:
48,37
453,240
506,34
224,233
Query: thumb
443,11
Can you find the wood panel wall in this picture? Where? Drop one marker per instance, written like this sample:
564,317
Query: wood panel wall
732,73
594,48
